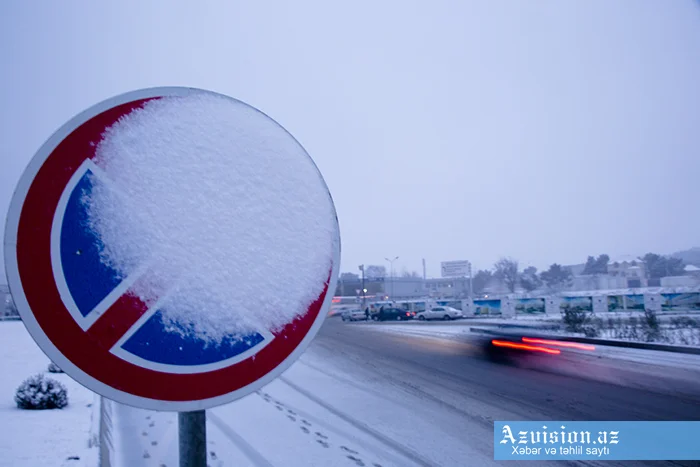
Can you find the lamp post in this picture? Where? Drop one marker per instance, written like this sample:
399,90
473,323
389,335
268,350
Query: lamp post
364,290
391,274
471,282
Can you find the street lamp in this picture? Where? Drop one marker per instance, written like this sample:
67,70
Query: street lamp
391,274
364,290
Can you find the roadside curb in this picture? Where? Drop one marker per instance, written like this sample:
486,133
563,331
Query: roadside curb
608,342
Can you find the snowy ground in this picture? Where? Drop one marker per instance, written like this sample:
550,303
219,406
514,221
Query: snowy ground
316,415
47,437
343,404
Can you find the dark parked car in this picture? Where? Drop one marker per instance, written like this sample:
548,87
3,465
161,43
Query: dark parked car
394,314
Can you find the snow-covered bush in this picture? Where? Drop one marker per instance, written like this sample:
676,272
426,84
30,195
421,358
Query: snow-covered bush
53,368
39,392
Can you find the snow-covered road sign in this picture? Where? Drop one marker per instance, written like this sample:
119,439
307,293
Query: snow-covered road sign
90,319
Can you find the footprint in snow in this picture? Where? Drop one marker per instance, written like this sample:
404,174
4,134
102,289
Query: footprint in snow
306,423
323,443
146,455
321,435
154,443
347,449
145,433
357,461
213,455
152,424
305,430
292,418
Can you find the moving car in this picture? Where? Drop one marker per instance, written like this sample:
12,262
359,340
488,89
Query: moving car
511,345
354,315
395,314
440,312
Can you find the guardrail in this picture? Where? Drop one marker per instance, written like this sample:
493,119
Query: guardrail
605,342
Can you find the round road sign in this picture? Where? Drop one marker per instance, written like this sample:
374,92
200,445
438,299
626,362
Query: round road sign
87,319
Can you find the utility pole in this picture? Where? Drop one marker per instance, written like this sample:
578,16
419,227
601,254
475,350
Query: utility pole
364,290
391,274
471,283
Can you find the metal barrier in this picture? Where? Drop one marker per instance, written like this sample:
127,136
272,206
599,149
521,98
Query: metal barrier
604,342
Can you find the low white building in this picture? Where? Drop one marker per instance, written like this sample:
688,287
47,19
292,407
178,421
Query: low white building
447,287
630,268
680,281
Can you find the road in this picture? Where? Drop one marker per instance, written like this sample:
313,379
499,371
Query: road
451,376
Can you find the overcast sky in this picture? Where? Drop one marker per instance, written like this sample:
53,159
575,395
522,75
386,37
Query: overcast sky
541,130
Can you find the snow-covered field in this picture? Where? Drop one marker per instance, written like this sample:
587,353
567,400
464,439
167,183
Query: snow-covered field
46,437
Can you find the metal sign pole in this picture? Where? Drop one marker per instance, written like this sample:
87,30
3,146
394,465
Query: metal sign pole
192,427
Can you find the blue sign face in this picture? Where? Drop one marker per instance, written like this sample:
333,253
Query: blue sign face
94,286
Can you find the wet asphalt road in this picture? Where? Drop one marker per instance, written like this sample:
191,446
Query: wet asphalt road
453,371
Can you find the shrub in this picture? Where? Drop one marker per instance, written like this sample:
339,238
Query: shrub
39,393
650,324
575,319
53,368
684,322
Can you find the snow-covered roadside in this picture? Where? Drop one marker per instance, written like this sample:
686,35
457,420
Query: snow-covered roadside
43,437
318,414
276,426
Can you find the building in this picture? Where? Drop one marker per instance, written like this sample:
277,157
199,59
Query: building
7,308
680,281
629,268
445,287
404,287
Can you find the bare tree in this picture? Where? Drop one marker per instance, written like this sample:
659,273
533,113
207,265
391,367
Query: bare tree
506,270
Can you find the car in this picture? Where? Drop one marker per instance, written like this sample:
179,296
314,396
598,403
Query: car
440,312
394,314
514,344
354,315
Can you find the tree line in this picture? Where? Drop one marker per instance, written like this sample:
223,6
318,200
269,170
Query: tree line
556,277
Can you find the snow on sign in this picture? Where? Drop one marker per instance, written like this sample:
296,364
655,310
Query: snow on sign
172,249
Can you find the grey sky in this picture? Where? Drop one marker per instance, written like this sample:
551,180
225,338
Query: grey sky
542,130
